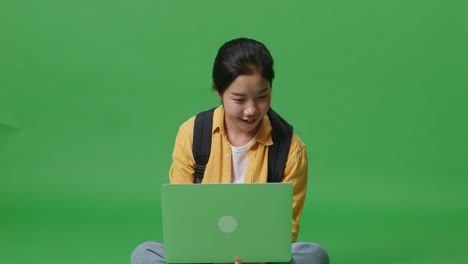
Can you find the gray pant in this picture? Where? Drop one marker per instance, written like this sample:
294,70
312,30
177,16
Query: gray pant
302,253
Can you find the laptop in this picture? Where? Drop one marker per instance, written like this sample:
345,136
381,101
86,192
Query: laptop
215,223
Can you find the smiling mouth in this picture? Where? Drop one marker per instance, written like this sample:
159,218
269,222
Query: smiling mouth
249,121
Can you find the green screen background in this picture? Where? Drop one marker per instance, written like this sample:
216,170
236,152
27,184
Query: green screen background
92,94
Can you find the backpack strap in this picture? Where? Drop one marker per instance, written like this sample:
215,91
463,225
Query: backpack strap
201,146
281,133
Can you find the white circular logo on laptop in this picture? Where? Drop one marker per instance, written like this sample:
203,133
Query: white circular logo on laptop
227,224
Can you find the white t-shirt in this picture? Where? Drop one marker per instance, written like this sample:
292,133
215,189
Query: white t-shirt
239,161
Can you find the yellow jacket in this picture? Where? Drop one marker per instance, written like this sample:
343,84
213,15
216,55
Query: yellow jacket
218,168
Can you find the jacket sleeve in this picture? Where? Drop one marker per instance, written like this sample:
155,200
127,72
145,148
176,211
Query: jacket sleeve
183,163
296,173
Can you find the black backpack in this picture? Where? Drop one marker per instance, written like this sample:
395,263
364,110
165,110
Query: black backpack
277,153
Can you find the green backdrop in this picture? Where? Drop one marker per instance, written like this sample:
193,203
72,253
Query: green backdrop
92,93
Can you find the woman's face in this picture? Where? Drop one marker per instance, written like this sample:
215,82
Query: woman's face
245,102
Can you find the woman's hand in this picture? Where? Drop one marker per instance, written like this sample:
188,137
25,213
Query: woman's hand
237,261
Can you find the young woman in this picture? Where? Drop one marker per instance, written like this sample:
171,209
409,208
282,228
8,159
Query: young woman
241,136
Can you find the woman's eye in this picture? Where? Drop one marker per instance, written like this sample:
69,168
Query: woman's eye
239,100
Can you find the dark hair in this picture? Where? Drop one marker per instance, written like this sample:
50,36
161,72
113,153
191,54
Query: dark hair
241,56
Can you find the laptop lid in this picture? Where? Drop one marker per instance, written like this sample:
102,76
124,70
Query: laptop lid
215,223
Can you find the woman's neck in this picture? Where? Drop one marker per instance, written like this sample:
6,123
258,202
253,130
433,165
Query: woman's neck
239,138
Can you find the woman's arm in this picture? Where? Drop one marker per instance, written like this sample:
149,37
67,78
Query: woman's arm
296,172
183,163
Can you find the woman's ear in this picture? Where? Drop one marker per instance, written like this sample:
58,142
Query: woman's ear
220,96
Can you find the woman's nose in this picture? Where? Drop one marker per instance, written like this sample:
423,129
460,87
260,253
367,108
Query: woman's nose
251,110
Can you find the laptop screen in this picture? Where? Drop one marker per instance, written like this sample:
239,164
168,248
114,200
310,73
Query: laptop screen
206,223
